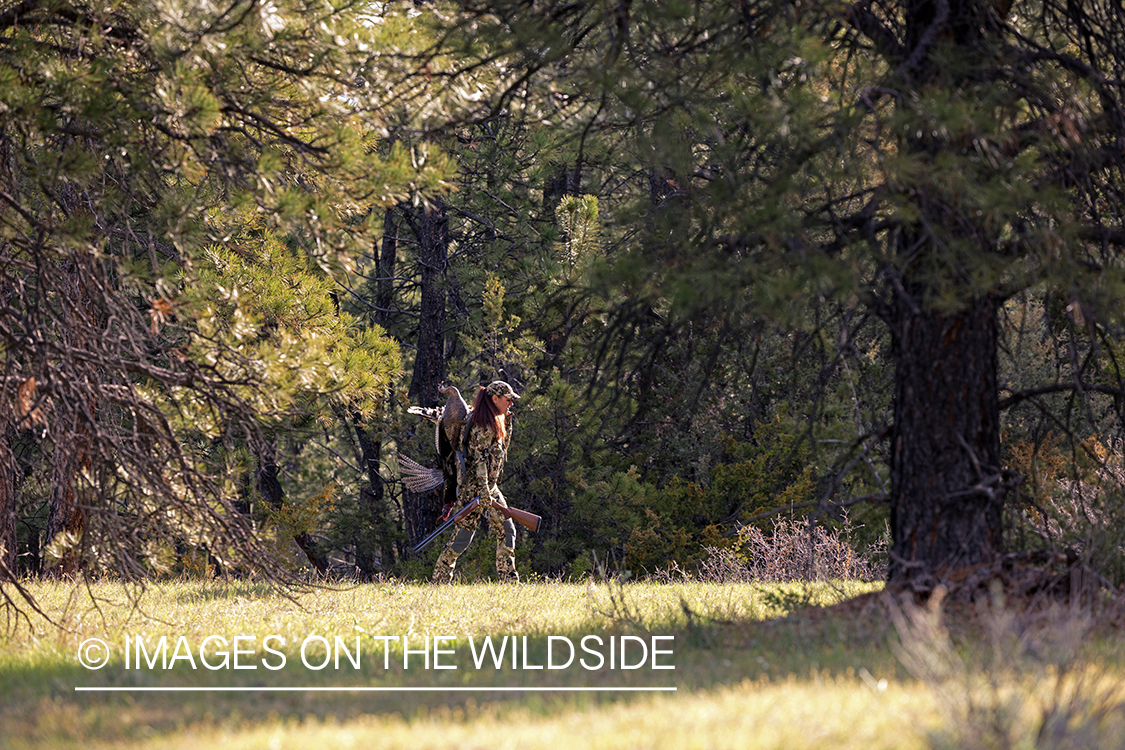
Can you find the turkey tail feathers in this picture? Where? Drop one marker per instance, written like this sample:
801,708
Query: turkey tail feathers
419,478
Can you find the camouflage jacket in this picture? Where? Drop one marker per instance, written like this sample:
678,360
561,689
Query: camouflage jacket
484,462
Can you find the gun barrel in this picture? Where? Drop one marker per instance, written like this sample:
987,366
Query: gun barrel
432,536
441,529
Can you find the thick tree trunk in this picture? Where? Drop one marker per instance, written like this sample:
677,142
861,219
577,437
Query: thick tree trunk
947,490
947,485
432,229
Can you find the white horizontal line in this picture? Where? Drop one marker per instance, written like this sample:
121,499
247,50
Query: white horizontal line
81,689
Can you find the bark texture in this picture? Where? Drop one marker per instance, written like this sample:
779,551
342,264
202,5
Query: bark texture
385,267
947,488
431,227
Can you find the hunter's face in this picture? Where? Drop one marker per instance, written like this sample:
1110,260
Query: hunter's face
502,404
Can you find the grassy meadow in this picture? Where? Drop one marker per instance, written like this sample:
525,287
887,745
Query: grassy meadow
755,666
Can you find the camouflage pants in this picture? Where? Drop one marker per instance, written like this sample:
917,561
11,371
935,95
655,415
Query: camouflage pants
501,527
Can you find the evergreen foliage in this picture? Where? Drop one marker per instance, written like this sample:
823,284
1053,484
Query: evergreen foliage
817,168
743,260
176,179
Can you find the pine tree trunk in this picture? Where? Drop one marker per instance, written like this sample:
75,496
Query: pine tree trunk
385,267
432,230
421,511
946,486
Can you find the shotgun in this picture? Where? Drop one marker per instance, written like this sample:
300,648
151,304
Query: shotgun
522,517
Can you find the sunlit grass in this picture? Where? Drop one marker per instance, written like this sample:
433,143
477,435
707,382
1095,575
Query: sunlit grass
796,714
210,606
754,667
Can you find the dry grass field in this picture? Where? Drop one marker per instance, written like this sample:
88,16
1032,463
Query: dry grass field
755,666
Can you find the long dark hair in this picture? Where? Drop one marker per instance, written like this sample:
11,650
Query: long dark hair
485,415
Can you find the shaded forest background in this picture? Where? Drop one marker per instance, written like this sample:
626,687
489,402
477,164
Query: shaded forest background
848,266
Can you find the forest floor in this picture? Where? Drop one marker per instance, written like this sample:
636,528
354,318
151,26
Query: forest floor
204,664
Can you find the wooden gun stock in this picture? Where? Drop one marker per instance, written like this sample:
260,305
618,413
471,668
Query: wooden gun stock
522,517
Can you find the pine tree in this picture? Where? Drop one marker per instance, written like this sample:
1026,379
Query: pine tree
134,139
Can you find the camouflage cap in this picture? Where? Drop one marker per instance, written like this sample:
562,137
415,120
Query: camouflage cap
500,388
